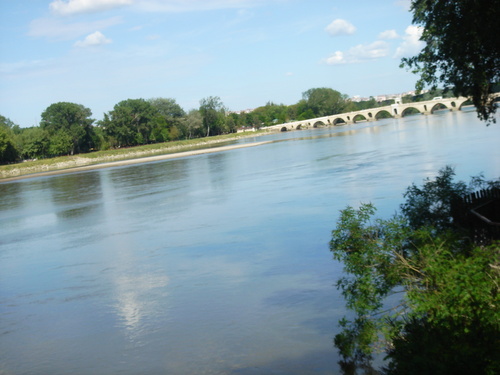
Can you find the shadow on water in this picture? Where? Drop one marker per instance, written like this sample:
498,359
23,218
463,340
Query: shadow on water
316,362
76,195
327,132
353,368
11,196
218,164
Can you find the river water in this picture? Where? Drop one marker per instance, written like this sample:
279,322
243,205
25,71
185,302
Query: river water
210,264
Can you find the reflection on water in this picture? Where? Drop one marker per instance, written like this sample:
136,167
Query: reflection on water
214,263
133,298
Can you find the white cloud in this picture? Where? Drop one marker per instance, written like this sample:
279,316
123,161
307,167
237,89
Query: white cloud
174,6
93,40
359,53
56,29
336,58
388,34
411,44
70,7
374,50
340,27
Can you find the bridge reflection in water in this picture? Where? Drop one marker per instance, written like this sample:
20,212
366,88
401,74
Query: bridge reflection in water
396,110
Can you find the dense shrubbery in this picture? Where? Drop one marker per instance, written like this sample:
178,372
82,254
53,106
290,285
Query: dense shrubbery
447,320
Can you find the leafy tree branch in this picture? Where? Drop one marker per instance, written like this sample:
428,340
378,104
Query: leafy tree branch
461,49
450,283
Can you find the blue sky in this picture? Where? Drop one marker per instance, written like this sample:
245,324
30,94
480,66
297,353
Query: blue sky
247,52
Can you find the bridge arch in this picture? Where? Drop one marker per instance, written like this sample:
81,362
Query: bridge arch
318,124
410,110
384,113
359,117
438,106
284,129
339,121
464,102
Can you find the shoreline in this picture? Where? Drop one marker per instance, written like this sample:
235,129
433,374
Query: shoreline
131,161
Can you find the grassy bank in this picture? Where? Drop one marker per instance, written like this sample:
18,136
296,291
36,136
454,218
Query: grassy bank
100,157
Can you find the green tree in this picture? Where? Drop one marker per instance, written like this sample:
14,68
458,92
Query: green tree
294,110
431,204
101,140
193,123
8,148
262,116
271,114
324,101
307,114
371,103
448,284
174,133
61,143
167,107
252,120
231,124
214,115
237,120
34,143
71,121
160,129
167,121
461,49
453,326
6,123
129,123
407,99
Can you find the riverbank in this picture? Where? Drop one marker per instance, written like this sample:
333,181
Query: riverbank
120,157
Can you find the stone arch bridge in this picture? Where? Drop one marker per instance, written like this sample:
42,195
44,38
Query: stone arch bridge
396,110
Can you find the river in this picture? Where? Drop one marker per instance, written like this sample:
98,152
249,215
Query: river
209,264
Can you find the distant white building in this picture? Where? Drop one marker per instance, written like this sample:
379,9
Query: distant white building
358,98
242,111
384,97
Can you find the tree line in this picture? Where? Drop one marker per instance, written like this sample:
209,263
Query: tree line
68,128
